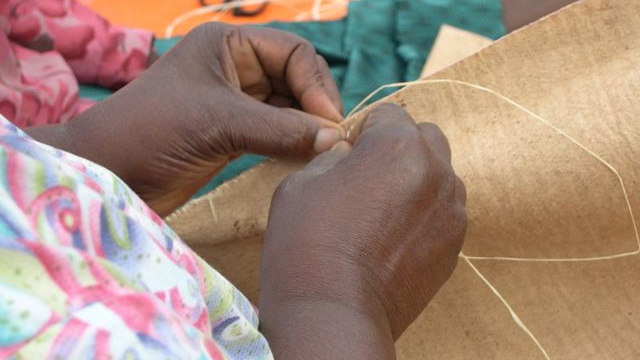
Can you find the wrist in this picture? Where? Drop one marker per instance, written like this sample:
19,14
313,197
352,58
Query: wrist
53,135
93,135
320,292
324,328
81,138
291,273
70,137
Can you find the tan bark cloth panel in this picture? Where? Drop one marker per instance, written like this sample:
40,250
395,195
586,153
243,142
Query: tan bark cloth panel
532,194
452,45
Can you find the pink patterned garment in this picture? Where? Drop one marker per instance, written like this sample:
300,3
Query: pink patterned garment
45,45
88,271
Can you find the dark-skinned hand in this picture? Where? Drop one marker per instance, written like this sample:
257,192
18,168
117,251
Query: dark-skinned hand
361,240
358,242
222,91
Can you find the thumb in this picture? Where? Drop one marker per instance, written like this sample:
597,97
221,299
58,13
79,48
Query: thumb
267,130
326,161
329,159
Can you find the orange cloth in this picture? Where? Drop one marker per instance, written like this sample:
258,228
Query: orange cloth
157,15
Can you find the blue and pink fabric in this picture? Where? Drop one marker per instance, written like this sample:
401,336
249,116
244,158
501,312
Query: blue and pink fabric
88,271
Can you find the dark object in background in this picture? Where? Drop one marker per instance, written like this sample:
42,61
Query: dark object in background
239,11
518,13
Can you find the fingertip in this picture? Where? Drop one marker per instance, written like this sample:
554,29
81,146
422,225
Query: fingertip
319,103
334,114
436,140
327,138
384,115
341,145
321,96
390,112
331,90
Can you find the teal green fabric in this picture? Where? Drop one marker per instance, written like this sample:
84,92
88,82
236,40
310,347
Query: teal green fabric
387,41
379,42
94,92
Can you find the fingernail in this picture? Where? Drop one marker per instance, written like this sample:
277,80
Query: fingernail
341,145
337,116
326,138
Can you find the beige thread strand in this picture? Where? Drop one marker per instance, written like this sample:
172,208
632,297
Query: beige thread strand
206,10
513,314
468,259
555,128
315,12
325,8
213,8
214,213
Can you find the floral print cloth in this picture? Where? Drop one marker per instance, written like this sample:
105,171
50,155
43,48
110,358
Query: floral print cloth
47,46
88,271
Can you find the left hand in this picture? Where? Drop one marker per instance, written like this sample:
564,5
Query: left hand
222,91
369,259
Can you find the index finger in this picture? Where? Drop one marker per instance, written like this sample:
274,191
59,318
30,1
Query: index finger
290,58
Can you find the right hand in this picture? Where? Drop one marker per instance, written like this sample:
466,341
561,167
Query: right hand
222,91
376,228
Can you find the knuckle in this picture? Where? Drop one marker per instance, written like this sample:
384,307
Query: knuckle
432,128
297,137
400,132
453,264
388,110
462,220
207,29
322,61
436,136
446,188
451,238
289,184
407,136
316,78
459,222
461,189
391,117
411,150
302,44
292,40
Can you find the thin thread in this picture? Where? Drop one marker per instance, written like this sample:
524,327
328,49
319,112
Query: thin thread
349,126
213,8
323,8
514,316
316,10
214,213
220,15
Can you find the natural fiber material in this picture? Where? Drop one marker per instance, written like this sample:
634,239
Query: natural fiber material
451,46
532,194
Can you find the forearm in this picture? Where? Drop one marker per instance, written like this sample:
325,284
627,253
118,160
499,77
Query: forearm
314,329
126,132
97,135
53,135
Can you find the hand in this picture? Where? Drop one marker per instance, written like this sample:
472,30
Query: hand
376,229
222,91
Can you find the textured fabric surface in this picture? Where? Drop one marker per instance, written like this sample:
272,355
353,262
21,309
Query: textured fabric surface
47,46
379,42
88,271
159,15
386,41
